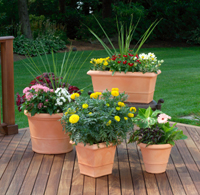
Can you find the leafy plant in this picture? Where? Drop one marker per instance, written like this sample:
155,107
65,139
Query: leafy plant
41,45
94,120
155,128
125,35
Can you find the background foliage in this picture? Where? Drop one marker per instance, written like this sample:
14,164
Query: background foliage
180,18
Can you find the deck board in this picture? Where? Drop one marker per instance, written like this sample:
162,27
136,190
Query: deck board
25,172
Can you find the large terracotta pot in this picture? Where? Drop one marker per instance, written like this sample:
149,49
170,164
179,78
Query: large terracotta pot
139,87
47,134
155,157
95,161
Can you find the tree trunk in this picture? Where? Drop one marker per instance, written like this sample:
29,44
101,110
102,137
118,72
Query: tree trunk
106,8
62,6
24,19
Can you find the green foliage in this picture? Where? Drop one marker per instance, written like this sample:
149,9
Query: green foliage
180,18
94,120
24,46
9,18
194,37
125,34
108,23
155,130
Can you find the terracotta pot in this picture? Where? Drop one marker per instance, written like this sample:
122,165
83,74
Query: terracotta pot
155,157
95,161
139,87
47,134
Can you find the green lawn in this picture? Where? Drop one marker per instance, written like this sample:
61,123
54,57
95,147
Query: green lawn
178,84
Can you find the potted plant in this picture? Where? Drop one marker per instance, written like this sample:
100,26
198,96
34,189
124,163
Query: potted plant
155,138
135,74
96,125
43,101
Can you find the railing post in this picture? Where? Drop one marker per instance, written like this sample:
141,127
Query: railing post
7,71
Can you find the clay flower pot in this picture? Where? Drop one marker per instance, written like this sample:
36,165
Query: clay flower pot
139,87
47,135
155,157
95,161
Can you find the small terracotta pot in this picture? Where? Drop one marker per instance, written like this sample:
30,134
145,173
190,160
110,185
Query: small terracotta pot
47,134
139,87
95,161
155,157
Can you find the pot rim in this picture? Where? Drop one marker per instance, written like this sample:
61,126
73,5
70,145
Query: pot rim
95,146
155,146
109,73
43,115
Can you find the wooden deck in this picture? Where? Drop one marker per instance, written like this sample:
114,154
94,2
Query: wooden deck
24,172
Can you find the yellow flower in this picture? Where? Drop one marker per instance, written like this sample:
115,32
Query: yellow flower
121,104
94,95
98,93
70,111
99,61
117,118
90,112
132,109
74,95
131,115
74,118
114,93
109,122
125,118
85,106
66,113
107,104
118,108
105,63
114,89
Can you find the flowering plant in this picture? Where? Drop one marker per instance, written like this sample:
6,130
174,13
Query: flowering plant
155,128
126,60
128,63
98,119
41,99
41,85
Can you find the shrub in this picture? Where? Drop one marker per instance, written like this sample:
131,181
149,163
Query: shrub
24,46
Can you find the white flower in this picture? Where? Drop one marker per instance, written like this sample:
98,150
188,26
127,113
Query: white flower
62,98
163,118
151,55
143,56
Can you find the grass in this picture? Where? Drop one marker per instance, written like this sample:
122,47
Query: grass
178,84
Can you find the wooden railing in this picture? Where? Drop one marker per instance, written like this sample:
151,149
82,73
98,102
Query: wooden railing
7,71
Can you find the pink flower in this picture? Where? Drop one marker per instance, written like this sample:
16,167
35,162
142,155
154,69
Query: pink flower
26,90
46,100
40,105
28,96
163,118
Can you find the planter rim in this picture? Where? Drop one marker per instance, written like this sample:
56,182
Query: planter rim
94,146
43,115
109,73
155,146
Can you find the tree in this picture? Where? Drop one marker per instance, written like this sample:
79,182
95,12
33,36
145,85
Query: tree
24,19
106,8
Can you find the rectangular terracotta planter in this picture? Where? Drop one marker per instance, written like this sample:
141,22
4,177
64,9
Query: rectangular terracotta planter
139,86
95,161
